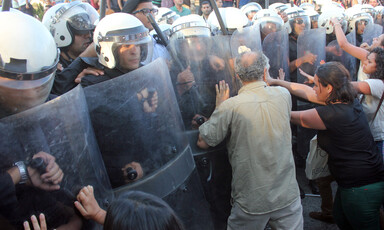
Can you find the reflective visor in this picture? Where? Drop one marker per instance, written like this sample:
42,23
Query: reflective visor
81,23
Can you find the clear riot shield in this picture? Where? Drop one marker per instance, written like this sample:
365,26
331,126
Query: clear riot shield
222,47
246,39
19,95
372,31
333,52
209,62
310,42
276,48
142,141
348,60
198,64
61,128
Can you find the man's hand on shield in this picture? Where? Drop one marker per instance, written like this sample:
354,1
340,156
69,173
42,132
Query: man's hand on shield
88,206
128,168
89,71
198,120
149,99
51,178
222,92
309,58
216,63
185,80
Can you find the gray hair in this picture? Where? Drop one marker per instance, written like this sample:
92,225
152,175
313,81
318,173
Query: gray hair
250,66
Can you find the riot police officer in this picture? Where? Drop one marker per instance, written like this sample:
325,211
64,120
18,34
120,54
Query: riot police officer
122,44
71,25
26,78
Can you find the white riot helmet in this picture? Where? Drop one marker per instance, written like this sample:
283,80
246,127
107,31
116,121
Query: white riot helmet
379,14
268,21
250,9
379,9
64,20
332,6
312,13
325,20
296,15
278,7
191,25
355,15
119,29
307,6
232,17
27,68
166,16
368,9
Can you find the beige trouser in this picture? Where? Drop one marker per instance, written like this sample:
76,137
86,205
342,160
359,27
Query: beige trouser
290,218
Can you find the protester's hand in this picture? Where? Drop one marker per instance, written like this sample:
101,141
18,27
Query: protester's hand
309,58
35,223
334,50
195,125
222,92
270,80
185,80
51,178
136,166
281,74
283,16
87,205
310,79
149,100
334,21
216,63
365,46
88,71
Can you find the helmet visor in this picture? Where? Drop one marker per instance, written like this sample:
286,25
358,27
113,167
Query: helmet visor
81,23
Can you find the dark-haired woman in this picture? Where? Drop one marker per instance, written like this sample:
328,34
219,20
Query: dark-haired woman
343,132
133,210
372,64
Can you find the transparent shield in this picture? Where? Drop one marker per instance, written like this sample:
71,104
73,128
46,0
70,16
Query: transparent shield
310,42
247,39
136,119
18,96
348,60
141,136
371,31
62,129
334,52
198,64
276,48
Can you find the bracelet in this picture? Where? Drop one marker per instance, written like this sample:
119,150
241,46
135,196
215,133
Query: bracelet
23,172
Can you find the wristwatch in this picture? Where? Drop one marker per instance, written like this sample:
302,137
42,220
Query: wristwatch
23,172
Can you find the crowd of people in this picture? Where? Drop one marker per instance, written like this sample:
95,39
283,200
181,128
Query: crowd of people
264,82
